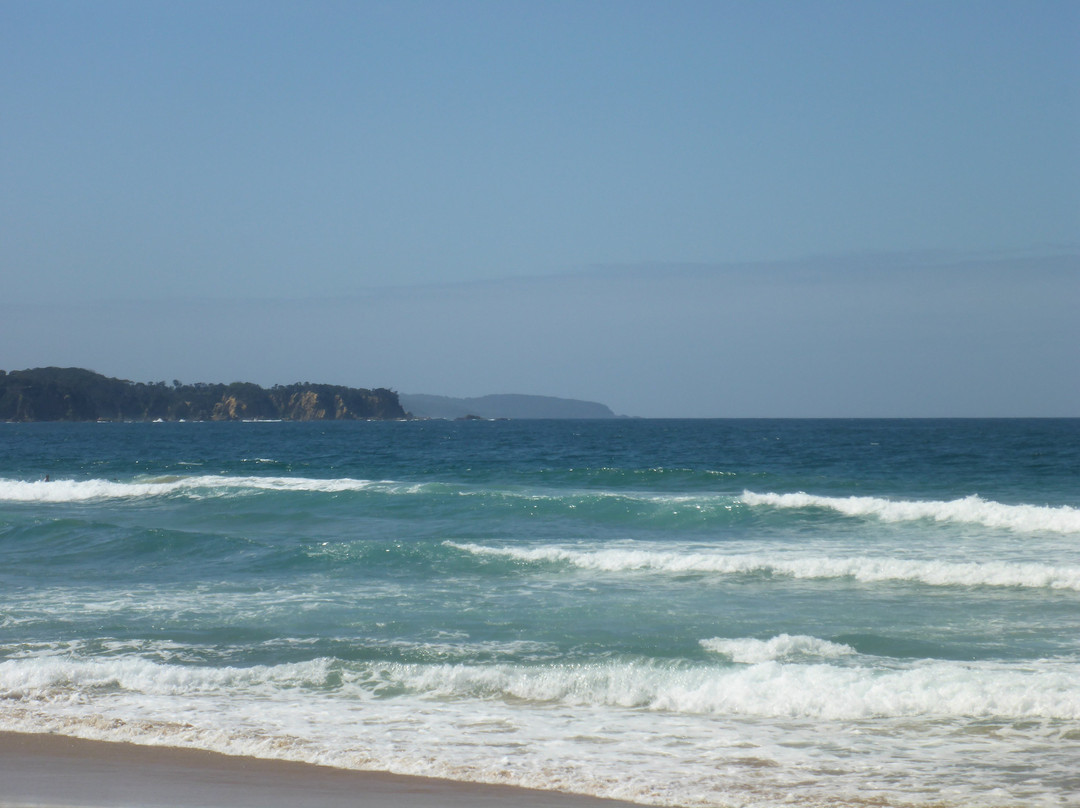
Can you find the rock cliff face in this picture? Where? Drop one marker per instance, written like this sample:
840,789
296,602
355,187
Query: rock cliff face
73,394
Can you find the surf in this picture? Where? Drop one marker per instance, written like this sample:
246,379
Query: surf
761,685
972,509
866,569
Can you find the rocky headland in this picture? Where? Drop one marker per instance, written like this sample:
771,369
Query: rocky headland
74,394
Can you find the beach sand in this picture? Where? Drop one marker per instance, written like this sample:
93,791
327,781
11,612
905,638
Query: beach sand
51,770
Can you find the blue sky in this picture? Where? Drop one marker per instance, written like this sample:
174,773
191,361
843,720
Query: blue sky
722,208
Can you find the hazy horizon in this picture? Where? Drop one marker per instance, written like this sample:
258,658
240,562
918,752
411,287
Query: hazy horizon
716,341
706,210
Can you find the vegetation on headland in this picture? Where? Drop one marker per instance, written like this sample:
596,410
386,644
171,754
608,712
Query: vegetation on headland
74,394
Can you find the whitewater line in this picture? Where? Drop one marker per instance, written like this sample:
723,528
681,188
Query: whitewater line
972,509
864,569
1043,690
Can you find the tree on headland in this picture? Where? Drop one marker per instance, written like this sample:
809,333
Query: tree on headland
74,394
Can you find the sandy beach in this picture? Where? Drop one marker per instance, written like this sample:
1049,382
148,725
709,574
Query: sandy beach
51,770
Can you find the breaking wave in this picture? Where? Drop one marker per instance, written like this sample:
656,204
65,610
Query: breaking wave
204,486
865,569
973,509
784,647
767,688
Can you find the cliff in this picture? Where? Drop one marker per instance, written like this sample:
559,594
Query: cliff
74,394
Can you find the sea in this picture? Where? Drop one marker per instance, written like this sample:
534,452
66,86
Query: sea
672,612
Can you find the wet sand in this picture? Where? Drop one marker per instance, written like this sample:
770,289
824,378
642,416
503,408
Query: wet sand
51,770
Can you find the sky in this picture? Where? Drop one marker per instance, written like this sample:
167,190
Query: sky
699,209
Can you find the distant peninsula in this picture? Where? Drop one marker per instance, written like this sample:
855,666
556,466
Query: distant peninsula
502,406
74,394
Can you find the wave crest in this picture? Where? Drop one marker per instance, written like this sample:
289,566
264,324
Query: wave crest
204,486
972,510
1043,690
784,647
865,569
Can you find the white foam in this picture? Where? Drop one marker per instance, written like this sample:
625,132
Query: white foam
62,676
861,568
1044,689
79,490
567,727
767,689
196,487
784,647
972,509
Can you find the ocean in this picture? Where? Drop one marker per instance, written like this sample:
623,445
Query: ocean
673,612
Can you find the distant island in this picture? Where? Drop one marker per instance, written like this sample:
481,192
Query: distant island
74,394
502,406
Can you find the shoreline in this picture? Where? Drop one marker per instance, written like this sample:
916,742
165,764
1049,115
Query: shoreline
60,771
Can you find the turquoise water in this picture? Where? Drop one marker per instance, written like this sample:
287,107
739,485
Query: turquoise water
672,612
